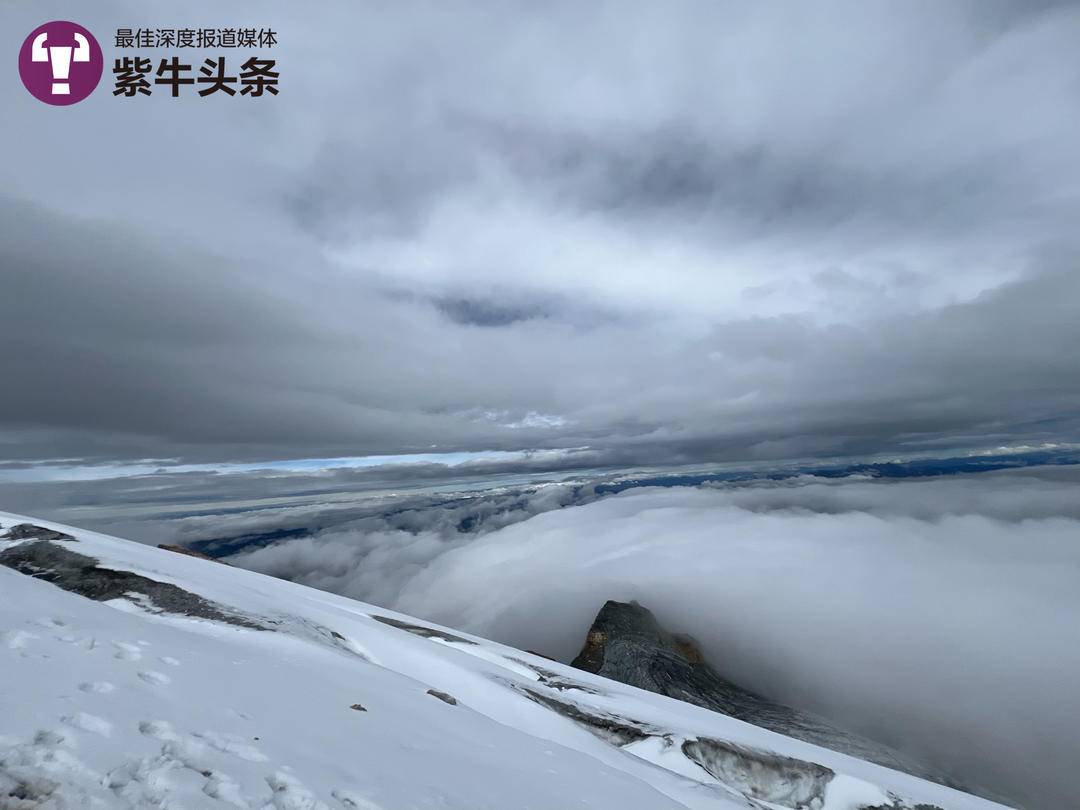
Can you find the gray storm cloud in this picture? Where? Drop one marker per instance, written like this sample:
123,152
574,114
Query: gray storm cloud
938,616
666,232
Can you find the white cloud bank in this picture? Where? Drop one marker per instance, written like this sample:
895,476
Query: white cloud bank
941,616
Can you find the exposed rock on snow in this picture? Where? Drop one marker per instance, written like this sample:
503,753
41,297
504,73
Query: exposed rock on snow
445,698
82,575
28,531
771,778
423,632
612,728
190,552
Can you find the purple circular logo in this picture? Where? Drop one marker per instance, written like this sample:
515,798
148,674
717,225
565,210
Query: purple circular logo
60,63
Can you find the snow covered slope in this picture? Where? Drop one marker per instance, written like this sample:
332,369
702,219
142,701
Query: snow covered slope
136,677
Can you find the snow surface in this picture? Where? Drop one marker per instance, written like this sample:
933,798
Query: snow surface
111,704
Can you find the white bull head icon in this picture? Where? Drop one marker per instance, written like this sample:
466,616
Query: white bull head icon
60,58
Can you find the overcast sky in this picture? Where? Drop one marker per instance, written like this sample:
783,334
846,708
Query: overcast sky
667,232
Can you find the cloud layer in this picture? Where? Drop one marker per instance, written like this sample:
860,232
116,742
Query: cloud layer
936,615
669,233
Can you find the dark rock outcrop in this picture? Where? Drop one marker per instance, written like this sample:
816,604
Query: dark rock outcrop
609,727
420,630
760,775
28,531
189,552
627,644
83,575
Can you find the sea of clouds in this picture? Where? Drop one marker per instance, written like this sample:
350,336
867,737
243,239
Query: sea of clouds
940,616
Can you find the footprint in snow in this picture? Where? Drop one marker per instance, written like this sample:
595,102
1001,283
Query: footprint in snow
52,737
50,623
16,639
127,652
354,801
155,678
159,730
231,744
222,787
98,687
168,659
88,722
291,793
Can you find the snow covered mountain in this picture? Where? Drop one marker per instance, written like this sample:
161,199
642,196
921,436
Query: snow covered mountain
132,676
